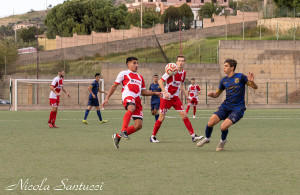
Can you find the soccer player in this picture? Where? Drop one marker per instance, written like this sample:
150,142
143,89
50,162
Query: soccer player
155,100
233,107
55,87
133,88
93,99
170,98
194,91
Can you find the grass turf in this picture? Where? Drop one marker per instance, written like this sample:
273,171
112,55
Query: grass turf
261,156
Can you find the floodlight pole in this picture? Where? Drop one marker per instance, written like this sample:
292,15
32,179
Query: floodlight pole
180,36
37,60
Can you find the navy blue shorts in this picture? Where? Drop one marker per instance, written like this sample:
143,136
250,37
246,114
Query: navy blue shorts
233,114
155,106
93,102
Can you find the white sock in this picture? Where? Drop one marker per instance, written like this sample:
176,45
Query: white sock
208,139
193,135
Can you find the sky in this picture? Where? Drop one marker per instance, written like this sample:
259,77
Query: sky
10,7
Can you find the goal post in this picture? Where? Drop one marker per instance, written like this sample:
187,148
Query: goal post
33,94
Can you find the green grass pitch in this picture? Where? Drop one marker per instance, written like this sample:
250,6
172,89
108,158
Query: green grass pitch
262,155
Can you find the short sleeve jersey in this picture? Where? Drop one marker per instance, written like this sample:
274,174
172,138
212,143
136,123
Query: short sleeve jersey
57,83
235,90
193,89
155,88
95,89
132,82
173,82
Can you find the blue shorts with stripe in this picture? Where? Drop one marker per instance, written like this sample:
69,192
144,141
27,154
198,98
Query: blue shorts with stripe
234,114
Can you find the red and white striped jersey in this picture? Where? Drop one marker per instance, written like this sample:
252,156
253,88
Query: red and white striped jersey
57,83
173,82
132,82
193,90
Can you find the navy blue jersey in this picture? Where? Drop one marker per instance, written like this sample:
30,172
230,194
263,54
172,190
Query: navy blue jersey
235,90
95,88
155,88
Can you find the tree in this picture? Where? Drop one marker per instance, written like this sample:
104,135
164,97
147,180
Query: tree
186,15
150,17
28,35
8,54
287,3
85,16
209,9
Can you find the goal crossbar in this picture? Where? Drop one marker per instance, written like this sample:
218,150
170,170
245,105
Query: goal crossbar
16,81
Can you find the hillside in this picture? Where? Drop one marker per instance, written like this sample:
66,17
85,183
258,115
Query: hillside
24,17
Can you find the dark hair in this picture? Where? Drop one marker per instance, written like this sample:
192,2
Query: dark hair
155,75
193,79
180,56
232,63
60,70
97,74
129,59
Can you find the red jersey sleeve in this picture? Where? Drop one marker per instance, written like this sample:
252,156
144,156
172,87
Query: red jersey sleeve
198,88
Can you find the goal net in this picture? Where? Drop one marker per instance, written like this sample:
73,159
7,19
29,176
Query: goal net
33,94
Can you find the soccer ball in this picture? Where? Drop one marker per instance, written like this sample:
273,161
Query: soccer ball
171,69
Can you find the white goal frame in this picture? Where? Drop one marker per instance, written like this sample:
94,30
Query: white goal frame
15,89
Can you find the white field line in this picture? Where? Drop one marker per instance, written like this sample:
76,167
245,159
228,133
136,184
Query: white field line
168,117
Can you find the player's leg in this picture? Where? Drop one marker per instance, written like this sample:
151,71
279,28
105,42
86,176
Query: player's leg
188,108
137,115
51,117
87,111
221,114
99,115
163,109
189,126
233,117
177,104
195,108
156,112
54,110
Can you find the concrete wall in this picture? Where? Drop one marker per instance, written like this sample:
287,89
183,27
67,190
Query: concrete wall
239,18
130,44
284,24
275,64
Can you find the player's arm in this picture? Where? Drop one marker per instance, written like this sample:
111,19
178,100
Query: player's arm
215,94
110,92
162,87
250,81
102,91
91,92
63,89
145,92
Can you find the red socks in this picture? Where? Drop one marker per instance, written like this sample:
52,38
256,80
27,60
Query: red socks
194,110
52,117
130,130
188,125
187,109
156,127
126,120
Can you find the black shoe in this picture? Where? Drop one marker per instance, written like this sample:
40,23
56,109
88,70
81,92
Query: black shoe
116,140
124,135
